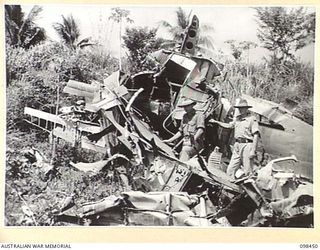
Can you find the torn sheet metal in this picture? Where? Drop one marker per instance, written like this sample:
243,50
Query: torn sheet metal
208,67
160,56
183,61
146,132
44,115
267,175
89,91
108,100
98,95
72,136
89,127
160,200
94,167
293,211
198,166
282,198
277,184
109,115
177,179
97,166
169,174
112,81
68,123
302,196
145,209
166,175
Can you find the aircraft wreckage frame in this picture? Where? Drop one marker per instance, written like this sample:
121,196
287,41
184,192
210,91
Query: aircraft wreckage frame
127,117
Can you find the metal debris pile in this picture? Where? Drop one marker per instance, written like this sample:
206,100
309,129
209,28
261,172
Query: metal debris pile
127,117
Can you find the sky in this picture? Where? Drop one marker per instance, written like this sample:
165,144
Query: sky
237,23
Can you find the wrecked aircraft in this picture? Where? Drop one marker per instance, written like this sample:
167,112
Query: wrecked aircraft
127,117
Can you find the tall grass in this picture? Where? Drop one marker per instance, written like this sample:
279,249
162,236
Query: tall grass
289,83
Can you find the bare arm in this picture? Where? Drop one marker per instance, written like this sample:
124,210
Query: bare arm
223,124
254,145
255,132
173,138
198,134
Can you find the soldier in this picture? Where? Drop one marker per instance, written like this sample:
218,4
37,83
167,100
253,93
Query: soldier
246,134
192,129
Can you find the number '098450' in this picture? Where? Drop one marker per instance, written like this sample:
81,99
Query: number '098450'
313,246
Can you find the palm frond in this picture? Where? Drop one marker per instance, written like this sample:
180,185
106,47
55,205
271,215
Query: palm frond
85,43
81,46
22,31
165,24
71,27
178,31
182,18
11,25
28,24
15,14
62,32
35,36
84,40
34,13
68,30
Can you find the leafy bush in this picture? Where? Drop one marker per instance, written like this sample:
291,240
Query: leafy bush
24,94
83,65
140,42
34,75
